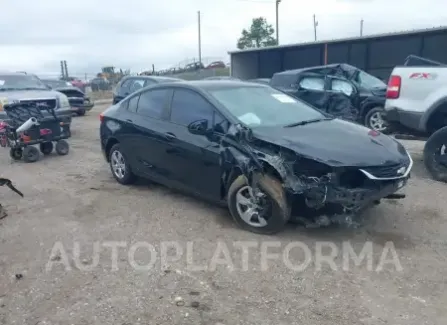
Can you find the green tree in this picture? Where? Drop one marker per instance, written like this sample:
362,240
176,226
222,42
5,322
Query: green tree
260,34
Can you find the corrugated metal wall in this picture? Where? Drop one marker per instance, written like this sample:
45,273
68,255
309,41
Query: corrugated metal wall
377,56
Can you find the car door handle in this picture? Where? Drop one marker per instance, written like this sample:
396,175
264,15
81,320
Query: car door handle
129,120
170,136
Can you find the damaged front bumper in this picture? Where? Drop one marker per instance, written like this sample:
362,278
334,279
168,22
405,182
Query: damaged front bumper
358,198
78,105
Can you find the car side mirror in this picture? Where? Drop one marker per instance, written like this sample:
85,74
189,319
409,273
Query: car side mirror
199,127
48,87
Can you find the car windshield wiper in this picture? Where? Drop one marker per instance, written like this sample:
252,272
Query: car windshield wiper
33,88
308,122
8,89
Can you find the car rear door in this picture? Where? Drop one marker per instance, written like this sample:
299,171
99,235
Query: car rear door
193,159
150,123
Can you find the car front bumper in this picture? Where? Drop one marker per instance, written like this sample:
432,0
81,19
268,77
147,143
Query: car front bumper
397,117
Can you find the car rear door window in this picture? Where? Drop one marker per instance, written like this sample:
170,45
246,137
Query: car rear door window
188,106
312,83
152,103
132,104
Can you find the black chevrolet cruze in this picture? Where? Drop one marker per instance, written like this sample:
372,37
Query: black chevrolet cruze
268,156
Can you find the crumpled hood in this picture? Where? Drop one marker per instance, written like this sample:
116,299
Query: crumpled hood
29,94
336,143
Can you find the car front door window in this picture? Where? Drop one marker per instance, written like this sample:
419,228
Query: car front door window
136,85
188,106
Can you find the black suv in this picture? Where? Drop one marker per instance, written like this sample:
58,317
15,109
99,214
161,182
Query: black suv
335,86
131,84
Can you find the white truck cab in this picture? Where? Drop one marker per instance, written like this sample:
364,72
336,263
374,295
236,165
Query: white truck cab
416,96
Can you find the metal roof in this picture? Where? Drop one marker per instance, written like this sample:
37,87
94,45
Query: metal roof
347,39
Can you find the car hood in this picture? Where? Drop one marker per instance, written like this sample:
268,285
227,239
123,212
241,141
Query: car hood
29,94
336,143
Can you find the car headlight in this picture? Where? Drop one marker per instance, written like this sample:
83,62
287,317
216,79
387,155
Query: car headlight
63,101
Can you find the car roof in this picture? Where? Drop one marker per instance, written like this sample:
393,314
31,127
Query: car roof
9,73
296,71
207,85
154,78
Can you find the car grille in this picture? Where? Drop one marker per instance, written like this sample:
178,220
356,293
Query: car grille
50,103
389,171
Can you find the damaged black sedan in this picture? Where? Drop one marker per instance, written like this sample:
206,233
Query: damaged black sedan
268,156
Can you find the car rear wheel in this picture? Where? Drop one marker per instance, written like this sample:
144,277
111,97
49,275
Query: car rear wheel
374,119
262,211
120,167
435,155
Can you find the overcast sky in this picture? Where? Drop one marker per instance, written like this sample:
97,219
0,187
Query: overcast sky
134,34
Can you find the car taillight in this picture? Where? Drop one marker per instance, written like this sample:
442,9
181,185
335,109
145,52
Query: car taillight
101,117
393,89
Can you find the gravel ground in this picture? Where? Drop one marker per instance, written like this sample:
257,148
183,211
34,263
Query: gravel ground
73,208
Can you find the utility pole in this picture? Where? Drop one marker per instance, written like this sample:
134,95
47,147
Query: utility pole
200,38
277,21
315,28
361,28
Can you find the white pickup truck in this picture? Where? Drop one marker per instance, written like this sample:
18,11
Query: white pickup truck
416,96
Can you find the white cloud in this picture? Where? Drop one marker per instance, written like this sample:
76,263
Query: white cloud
135,34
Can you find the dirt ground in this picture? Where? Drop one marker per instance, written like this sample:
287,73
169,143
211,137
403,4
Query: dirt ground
73,201
100,95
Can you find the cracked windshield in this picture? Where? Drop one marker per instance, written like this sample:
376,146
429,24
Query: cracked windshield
237,162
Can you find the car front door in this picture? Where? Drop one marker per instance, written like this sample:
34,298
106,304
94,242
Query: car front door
150,124
192,158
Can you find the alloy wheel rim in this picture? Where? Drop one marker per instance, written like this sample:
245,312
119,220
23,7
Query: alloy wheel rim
248,208
118,164
376,122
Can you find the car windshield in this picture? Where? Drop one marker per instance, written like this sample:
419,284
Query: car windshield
264,106
20,82
368,81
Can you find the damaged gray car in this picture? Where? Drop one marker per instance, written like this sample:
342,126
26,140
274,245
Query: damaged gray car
271,158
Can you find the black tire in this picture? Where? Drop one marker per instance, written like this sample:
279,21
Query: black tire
368,122
432,147
16,153
62,147
128,176
30,154
81,112
280,209
46,148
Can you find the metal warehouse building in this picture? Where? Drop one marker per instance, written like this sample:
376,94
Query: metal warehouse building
376,54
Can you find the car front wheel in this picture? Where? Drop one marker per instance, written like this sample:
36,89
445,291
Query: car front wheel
120,167
262,211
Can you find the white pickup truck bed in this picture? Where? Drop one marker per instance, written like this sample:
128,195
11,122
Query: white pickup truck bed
417,97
